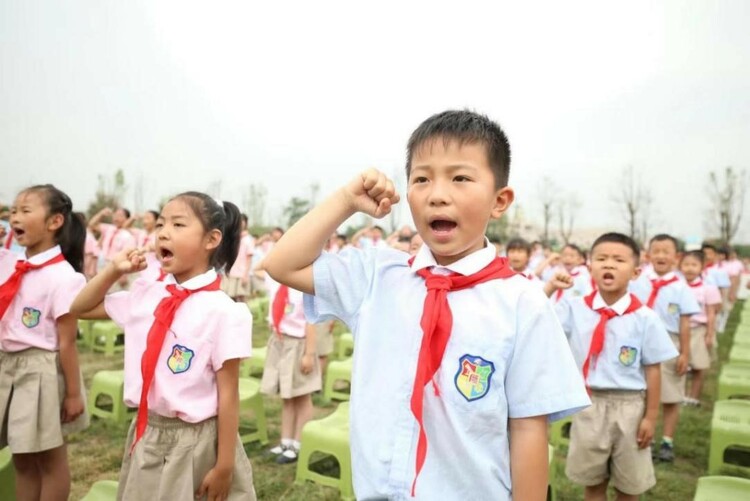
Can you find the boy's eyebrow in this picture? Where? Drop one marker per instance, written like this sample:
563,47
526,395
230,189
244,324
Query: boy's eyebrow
450,168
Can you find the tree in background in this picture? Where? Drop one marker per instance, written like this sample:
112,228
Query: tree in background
567,210
547,192
295,209
108,195
728,196
635,201
254,201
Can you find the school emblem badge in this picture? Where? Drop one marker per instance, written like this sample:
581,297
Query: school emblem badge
473,377
673,308
288,309
30,317
179,360
627,355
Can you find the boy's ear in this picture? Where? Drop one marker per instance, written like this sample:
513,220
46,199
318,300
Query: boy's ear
213,239
503,199
636,272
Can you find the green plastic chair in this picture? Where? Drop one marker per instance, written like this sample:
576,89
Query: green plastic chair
739,353
251,399
86,328
552,479
734,381
559,432
103,490
255,363
338,370
345,346
256,309
7,476
329,435
105,335
722,489
730,437
111,384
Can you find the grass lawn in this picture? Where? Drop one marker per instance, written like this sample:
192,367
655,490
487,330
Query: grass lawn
96,453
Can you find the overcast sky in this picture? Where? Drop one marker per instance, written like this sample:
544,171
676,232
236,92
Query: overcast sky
183,95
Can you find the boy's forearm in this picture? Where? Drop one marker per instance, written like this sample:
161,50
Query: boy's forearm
93,294
67,329
290,258
529,462
684,334
310,339
653,391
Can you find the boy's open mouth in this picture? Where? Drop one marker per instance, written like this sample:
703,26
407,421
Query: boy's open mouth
442,225
165,254
18,232
608,277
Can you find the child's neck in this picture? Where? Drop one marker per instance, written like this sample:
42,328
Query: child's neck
183,277
39,247
611,297
662,273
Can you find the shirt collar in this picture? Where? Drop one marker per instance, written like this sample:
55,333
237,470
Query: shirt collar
196,282
619,306
467,265
667,276
42,257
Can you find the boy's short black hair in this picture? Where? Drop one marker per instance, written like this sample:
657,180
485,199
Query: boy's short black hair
619,238
708,245
663,237
575,248
465,127
518,244
697,255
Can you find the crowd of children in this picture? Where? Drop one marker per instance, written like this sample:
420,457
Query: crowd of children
460,352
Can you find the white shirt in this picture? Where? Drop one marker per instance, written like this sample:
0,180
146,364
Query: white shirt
713,275
506,327
630,342
673,300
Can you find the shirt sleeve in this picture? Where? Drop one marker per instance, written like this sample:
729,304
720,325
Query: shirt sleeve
65,293
688,303
234,337
117,304
657,345
341,282
542,377
563,313
713,296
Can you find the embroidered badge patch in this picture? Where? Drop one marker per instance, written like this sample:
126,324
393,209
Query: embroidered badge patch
30,317
473,377
673,308
289,309
179,360
627,355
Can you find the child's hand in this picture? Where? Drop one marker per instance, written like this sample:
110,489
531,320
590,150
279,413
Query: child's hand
107,211
72,408
645,433
215,485
709,341
307,363
682,363
371,192
129,261
561,280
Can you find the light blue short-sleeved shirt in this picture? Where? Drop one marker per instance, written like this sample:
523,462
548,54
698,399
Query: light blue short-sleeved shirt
507,357
630,342
717,277
673,300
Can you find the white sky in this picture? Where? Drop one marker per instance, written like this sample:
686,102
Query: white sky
288,93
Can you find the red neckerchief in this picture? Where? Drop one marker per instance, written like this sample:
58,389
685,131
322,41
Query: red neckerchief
163,317
278,307
437,324
9,288
656,286
597,339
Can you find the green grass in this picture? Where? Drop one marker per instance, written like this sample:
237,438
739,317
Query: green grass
96,453
677,481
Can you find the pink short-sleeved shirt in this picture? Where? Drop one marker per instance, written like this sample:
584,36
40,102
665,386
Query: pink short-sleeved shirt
240,268
208,329
293,323
44,296
115,239
706,295
91,246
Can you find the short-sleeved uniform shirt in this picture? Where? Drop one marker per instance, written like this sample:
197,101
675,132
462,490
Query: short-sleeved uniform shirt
706,295
239,268
630,341
293,322
44,296
208,329
673,300
714,275
506,358
114,240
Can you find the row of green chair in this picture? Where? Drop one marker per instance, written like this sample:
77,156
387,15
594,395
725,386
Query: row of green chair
102,336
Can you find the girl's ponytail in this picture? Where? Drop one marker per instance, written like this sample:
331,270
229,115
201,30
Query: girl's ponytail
227,252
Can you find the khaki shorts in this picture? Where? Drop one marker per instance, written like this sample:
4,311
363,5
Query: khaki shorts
32,390
234,288
282,375
324,338
700,356
172,458
672,384
603,443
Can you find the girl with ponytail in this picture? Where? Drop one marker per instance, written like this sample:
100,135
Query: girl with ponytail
181,360
41,389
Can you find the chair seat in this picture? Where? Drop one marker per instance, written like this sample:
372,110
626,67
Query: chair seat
251,399
103,490
338,370
722,489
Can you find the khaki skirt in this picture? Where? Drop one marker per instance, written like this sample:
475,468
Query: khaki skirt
324,338
172,458
32,390
700,356
282,375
